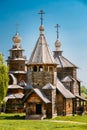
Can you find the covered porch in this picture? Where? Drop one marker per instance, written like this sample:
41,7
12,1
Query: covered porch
80,105
36,105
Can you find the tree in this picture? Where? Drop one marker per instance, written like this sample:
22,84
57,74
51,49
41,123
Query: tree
4,79
84,91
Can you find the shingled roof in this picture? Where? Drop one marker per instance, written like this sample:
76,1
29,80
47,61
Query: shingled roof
39,93
65,92
42,95
63,62
14,86
48,86
67,79
41,53
14,96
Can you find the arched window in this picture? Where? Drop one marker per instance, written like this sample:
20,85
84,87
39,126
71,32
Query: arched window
40,68
35,68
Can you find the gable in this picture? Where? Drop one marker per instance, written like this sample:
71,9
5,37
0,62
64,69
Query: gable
37,94
33,97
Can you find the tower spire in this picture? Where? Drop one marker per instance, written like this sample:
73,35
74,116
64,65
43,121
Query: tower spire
41,26
41,18
57,27
57,43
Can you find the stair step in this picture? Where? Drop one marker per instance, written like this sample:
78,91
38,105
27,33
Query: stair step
33,117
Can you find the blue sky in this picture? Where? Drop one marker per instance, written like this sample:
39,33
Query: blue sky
71,15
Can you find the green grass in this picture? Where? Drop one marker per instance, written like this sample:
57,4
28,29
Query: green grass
17,122
39,125
72,118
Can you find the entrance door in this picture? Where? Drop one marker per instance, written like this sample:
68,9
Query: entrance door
38,109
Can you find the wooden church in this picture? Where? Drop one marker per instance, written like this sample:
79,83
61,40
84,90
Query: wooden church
46,85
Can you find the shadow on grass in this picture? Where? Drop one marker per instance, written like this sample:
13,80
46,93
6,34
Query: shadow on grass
12,117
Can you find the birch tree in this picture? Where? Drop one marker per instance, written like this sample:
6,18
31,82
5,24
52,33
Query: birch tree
3,79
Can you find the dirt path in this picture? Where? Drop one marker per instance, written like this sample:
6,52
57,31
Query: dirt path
74,122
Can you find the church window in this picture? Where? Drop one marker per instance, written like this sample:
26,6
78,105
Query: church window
40,68
46,68
50,68
16,55
35,68
21,66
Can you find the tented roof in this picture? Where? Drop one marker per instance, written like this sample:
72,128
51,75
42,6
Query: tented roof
62,61
41,53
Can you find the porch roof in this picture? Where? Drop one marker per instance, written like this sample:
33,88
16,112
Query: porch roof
40,94
14,96
49,86
65,92
80,97
14,86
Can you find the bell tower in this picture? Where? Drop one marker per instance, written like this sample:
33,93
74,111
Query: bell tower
41,66
16,61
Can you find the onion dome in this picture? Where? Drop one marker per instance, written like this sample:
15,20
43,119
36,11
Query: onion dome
41,29
57,45
16,38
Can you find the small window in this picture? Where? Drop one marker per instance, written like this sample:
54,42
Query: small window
16,55
51,69
35,68
21,66
40,68
46,68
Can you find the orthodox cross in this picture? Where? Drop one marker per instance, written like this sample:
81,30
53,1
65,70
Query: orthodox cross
41,13
57,26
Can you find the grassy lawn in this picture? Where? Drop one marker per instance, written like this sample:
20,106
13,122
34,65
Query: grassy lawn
17,122
72,118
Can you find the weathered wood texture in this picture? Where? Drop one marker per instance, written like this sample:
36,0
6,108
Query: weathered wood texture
11,91
39,79
69,106
60,104
63,72
14,105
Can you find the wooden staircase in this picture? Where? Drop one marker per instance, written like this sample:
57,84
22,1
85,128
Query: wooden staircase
33,117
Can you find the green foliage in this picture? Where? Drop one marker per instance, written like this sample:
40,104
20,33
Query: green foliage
3,78
1,59
12,116
84,91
